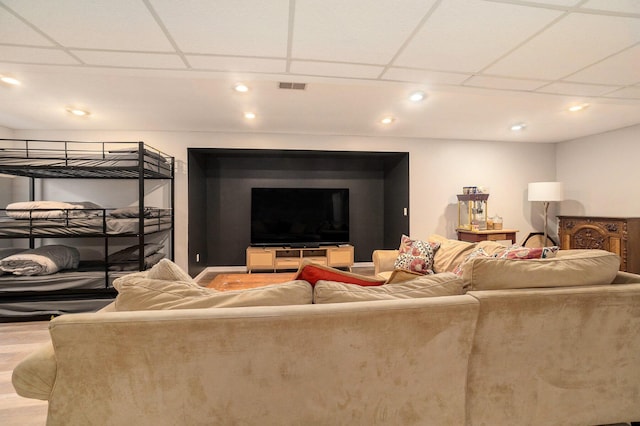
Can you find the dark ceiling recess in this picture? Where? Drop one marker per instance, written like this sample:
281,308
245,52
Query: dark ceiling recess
292,86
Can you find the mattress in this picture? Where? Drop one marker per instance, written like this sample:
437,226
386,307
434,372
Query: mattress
81,226
65,280
80,164
45,309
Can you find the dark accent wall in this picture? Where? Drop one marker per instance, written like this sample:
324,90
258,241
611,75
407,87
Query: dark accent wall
198,220
220,182
396,201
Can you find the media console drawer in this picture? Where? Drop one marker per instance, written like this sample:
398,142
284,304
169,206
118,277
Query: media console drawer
338,257
280,258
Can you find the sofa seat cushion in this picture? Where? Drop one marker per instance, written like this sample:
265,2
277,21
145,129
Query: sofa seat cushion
445,284
137,293
568,268
312,273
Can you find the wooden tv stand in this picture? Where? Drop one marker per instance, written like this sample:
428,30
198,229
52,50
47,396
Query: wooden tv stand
280,258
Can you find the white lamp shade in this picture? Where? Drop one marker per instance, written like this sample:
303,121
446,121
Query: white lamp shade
546,191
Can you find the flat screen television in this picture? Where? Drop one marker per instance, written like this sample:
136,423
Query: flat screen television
299,217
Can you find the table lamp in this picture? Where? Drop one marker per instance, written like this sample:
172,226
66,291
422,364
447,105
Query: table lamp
546,192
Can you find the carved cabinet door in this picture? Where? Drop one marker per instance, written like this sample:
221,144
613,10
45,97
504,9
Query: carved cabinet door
593,233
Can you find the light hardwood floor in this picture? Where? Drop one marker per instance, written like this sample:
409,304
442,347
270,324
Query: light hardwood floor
17,340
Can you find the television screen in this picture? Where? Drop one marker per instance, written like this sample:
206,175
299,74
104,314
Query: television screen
299,216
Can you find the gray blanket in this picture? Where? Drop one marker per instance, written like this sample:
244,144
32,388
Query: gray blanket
43,260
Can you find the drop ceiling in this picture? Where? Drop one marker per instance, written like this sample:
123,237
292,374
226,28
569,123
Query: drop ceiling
171,65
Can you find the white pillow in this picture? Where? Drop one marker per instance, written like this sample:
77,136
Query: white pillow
169,271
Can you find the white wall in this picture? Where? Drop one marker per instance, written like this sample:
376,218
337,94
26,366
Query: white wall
5,132
601,174
438,171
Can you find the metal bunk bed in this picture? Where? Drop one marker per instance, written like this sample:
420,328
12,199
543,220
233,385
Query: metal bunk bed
90,287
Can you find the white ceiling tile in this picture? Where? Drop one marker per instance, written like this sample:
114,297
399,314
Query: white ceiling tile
557,2
625,6
239,27
113,24
626,93
422,76
466,36
576,89
34,55
348,43
355,30
331,69
569,45
231,63
622,69
504,83
130,60
14,31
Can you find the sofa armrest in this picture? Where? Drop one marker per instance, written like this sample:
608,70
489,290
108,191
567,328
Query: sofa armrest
35,376
384,260
626,278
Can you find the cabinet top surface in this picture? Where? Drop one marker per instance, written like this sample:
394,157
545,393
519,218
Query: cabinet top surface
488,231
597,217
297,248
472,197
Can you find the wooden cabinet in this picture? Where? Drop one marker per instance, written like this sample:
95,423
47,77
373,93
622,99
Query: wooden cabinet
488,235
619,235
281,258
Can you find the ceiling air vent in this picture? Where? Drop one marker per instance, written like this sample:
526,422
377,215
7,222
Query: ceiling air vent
292,86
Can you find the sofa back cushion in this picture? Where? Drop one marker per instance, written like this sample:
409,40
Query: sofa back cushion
445,284
568,268
138,293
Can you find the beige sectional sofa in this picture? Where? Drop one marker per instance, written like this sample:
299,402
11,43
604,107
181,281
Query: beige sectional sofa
540,355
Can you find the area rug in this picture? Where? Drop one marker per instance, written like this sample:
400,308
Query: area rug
225,282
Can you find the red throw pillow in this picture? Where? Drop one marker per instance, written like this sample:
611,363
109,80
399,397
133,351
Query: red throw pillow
312,273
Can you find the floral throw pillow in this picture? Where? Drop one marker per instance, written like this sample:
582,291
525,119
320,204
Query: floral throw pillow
518,252
479,252
416,255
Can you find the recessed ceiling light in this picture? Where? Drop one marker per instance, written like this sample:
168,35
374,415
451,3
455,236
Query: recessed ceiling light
576,108
240,87
10,80
518,127
387,120
78,112
249,115
417,96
